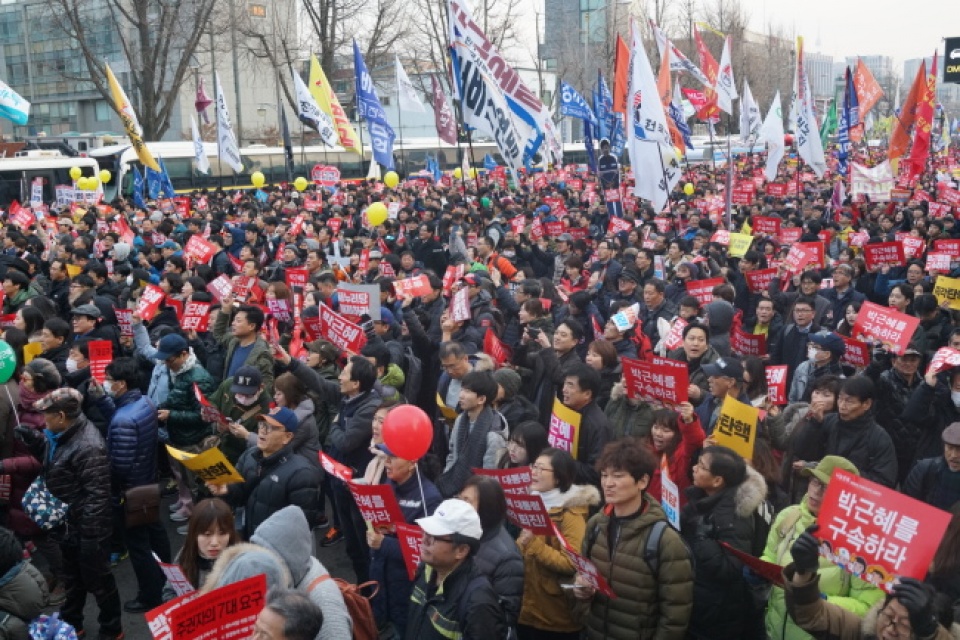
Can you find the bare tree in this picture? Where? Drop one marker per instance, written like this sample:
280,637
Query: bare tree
329,19
157,39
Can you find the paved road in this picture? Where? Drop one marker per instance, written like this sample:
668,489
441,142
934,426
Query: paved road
135,626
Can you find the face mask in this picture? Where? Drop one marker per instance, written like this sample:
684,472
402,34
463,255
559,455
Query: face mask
108,387
244,399
509,254
71,365
812,354
955,396
129,281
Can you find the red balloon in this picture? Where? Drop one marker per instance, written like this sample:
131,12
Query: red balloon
787,139
408,432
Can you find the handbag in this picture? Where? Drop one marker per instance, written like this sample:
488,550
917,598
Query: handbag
45,509
141,505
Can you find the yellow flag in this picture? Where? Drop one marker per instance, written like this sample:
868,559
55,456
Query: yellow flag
210,466
73,270
450,413
737,427
326,99
31,350
947,289
564,429
739,244
129,119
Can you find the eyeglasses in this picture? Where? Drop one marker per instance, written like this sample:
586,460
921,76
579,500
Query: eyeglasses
266,427
429,539
901,625
540,468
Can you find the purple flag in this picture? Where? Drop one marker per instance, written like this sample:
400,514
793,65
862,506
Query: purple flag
443,114
202,102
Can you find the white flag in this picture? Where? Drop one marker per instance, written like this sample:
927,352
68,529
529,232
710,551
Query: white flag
13,106
772,132
200,161
678,61
407,98
749,115
726,86
809,145
310,113
654,162
227,147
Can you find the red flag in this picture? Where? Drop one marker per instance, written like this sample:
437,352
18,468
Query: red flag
443,116
495,347
202,102
666,95
868,90
711,68
921,134
621,73
900,138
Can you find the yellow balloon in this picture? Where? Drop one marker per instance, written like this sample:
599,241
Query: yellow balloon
688,189
75,173
105,176
81,183
473,173
391,179
301,183
93,182
257,179
377,214
458,173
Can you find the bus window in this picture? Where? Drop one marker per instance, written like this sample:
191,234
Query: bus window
180,171
10,182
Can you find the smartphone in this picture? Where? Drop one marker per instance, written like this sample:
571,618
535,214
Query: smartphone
534,332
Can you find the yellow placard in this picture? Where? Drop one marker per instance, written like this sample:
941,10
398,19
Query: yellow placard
448,413
564,430
737,427
210,466
947,289
739,244
73,270
31,350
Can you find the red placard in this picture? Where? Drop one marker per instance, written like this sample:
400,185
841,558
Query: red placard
585,567
876,533
651,381
721,236
242,286
410,537
611,195
199,249
296,278
674,339
790,235
578,233
416,287
702,290
618,225
460,305
881,253
100,355
159,619
892,328
196,316
340,331
208,412
528,512
227,612
948,245
769,225
857,353
220,287
324,175
553,229
149,302
512,480
124,321
945,358
948,195
776,383
495,347
536,229
798,258
912,246
747,344
777,190
743,193
517,224
453,274
938,263
769,571
20,216
377,503
759,279
337,470
280,309
938,209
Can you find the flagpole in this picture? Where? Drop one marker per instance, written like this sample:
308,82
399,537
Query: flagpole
403,162
469,158
729,181
360,129
663,170
219,157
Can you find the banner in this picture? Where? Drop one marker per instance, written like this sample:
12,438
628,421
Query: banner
945,358
175,577
13,107
228,612
876,533
674,339
573,104
211,466
758,280
726,86
873,182
892,328
443,116
339,471
460,305
128,118
369,107
776,383
200,250
149,302
410,537
512,480
159,618
655,382
586,569
310,113
747,344
326,99
100,355
883,253
415,287
495,348
528,512
769,225
750,117
669,494
808,141
737,427
359,299
739,244
227,147
377,503
951,60
344,334
857,353
564,432
702,290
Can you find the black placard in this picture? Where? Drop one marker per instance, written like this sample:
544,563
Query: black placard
951,61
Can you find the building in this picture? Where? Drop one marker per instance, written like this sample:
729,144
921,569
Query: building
38,61
820,71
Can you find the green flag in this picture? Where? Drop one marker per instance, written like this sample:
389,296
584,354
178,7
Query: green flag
829,126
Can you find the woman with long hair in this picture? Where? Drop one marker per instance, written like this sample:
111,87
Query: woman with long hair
676,437
524,445
602,355
210,531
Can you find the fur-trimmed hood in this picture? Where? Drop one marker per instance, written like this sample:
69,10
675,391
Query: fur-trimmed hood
581,495
243,561
750,494
483,362
869,625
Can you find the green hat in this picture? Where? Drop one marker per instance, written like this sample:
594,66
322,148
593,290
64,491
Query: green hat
825,467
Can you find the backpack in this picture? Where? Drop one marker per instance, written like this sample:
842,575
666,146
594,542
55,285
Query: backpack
651,550
361,613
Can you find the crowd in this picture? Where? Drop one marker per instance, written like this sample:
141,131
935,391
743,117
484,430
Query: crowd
559,296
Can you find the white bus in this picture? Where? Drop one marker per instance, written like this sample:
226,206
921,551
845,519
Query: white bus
17,174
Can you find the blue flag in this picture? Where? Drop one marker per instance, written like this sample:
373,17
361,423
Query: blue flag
434,168
618,139
676,114
138,189
573,104
166,186
153,183
489,163
368,106
603,105
849,118
588,143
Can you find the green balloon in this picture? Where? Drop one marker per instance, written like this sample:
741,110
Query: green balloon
8,362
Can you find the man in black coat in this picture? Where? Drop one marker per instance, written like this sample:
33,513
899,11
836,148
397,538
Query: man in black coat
791,347
581,386
936,481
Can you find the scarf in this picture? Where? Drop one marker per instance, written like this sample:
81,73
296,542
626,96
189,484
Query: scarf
553,499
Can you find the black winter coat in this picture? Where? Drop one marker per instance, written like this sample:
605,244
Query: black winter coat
500,560
435,613
272,483
931,410
132,439
864,443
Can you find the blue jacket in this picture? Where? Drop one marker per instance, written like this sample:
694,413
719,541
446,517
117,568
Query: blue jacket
132,439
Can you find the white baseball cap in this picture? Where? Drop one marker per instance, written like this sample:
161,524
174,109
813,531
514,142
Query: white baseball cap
453,516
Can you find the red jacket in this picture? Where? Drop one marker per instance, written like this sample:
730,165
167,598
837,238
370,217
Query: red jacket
681,461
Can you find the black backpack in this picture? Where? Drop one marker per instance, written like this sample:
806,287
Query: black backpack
651,550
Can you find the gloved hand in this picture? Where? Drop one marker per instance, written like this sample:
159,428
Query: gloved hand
912,595
806,551
27,435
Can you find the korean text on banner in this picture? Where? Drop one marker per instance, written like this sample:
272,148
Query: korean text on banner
528,512
196,316
892,328
669,494
340,331
227,612
587,570
410,537
653,381
876,533
564,430
175,577
947,289
149,302
159,619
945,358
739,244
512,480
337,470
416,287
359,299
101,353
211,466
858,352
776,383
208,412
737,427
377,503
